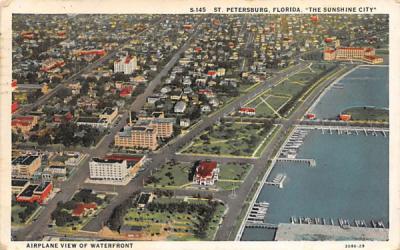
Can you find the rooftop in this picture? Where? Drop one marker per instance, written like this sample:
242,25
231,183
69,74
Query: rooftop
42,186
107,160
18,183
28,191
205,168
25,160
107,111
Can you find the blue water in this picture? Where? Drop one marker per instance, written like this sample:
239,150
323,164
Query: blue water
365,86
350,181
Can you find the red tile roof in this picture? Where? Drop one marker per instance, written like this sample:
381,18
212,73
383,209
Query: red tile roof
205,169
14,107
122,157
81,207
126,91
351,48
245,109
330,51
127,59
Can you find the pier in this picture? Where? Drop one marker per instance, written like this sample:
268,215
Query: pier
342,222
255,218
347,130
277,181
310,162
261,225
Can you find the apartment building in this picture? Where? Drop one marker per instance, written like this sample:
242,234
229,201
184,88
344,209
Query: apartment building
163,126
24,123
125,64
25,166
364,54
109,114
143,137
108,169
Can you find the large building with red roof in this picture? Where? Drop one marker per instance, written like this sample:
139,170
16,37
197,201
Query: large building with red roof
24,123
364,54
35,193
51,63
206,173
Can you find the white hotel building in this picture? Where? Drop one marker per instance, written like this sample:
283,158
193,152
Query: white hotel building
108,170
125,64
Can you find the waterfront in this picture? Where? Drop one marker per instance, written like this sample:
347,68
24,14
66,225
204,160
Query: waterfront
364,86
351,172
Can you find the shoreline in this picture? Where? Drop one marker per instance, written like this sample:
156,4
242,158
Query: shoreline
362,66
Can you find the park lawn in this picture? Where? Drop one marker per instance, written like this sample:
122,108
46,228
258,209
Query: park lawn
238,139
253,103
170,222
278,95
179,174
156,217
265,142
232,171
302,77
277,101
287,88
214,223
155,222
165,200
264,111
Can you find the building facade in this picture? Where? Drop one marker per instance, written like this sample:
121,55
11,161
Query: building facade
125,64
363,54
142,137
108,169
24,123
163,126
206,173
109,114
247,111
25,166
35,193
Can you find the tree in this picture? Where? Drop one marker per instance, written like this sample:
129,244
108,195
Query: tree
44,140
85,88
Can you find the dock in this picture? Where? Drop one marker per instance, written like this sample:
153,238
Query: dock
277,181
347,130
341,222
257,215
310,162
261,225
